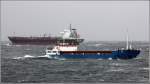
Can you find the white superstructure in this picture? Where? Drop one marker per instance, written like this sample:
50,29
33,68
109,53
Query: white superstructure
69,42
69,33
56,50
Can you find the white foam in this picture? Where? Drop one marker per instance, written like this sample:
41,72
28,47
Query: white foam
28,56
18,58
43,56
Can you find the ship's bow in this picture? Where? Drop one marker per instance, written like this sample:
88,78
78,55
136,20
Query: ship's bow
127,54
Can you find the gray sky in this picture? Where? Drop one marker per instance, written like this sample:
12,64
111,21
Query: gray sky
94,20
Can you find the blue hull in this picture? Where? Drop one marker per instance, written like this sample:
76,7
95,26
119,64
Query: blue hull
118,54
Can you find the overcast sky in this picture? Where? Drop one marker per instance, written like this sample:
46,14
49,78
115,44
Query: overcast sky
94,20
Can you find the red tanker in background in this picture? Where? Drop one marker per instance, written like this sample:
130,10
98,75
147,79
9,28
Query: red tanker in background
68,35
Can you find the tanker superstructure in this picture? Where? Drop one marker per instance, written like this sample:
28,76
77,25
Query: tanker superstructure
67,34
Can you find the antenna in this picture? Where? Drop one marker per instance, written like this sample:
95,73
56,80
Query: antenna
70,27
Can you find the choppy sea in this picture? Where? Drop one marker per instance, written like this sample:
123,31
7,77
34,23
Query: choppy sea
20,64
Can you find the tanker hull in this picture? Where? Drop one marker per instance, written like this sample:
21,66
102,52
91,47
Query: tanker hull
32,40
41,40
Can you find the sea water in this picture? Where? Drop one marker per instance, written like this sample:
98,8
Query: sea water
24,64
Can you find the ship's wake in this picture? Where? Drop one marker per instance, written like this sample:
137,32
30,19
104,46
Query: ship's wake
37,57
28,56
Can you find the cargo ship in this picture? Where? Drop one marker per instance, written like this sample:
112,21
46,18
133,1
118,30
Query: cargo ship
65,50
46,40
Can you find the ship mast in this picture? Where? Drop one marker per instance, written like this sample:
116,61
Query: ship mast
127,40
130,45
71,31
